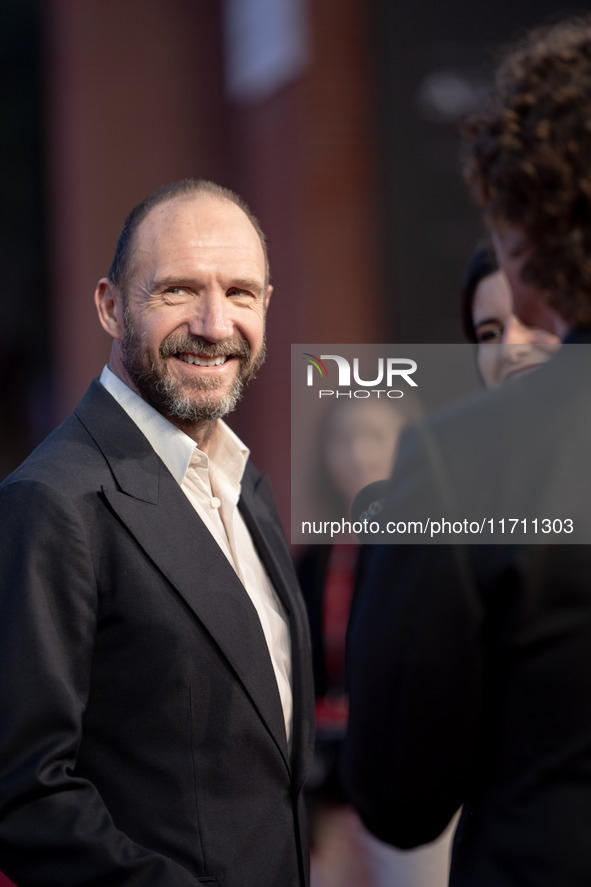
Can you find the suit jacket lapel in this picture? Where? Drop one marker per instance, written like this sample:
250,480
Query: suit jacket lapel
258,509
266,534
150,503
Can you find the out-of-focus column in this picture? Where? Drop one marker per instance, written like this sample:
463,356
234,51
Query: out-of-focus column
306,160
133,102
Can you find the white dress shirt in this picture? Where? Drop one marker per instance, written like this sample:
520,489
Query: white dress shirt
211,481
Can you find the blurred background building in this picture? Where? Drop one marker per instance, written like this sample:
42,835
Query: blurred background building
337,120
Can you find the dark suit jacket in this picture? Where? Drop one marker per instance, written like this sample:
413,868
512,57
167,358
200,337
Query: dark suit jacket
142,739
470,666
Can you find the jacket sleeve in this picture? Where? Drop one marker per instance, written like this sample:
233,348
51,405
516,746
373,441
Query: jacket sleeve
54,826
414,672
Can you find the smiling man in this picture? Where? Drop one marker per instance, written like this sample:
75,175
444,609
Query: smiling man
156,694
185,302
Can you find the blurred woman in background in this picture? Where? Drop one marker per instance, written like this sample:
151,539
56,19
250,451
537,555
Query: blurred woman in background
358,441
506,348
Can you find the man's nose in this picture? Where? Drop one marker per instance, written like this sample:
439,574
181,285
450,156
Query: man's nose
210,318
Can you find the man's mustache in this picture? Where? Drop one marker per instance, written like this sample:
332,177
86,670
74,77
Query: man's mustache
234,346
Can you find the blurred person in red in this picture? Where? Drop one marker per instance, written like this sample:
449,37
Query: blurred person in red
357,446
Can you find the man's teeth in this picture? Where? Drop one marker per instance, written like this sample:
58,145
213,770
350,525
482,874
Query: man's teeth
203,361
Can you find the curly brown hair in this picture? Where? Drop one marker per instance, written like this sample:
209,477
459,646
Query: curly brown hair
527,159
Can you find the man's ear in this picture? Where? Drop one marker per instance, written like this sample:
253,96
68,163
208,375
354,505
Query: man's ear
109,305
268,296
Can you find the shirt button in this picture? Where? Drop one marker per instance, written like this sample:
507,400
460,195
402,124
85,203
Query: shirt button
215,502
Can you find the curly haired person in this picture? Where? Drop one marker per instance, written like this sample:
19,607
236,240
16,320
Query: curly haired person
470,675
528,164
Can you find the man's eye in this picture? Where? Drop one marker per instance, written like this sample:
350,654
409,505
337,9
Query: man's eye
175,290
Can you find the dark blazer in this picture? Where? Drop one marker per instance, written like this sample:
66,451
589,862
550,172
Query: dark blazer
470,666
142,739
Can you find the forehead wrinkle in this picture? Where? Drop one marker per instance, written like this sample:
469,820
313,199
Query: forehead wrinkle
208,231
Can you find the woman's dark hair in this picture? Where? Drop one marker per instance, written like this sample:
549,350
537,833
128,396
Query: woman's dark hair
482,264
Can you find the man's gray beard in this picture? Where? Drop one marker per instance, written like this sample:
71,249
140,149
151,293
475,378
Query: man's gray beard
161,391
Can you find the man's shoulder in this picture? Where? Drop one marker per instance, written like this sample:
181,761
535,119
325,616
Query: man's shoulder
514,413
519,451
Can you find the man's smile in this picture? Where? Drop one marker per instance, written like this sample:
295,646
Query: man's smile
202,361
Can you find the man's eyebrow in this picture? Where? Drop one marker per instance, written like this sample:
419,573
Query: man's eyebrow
171,280
242,283
246,283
